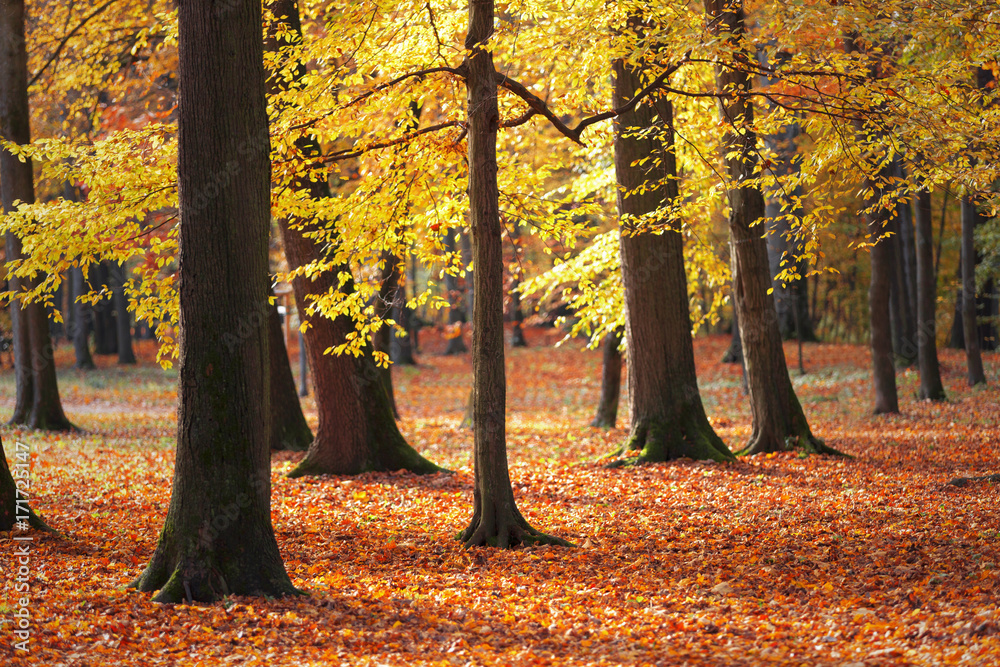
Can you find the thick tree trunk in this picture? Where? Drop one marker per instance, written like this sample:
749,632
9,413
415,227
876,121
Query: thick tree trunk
217,538
81,332
611,381
356,432
123,320
973,356
37,404
779,423
289,430
456,299
496,521
666,415
930,374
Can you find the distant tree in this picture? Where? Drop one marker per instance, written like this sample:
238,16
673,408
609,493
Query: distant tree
123,320
217,537
289,430
611,381
37,403
930,374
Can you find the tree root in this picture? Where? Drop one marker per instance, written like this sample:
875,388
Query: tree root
657,442
805,444
505,532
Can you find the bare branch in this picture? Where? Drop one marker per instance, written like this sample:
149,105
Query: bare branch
406,138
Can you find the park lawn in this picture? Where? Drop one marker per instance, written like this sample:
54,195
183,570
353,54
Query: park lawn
874,560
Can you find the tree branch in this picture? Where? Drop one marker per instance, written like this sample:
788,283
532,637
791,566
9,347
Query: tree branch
347,154
62,43
539,106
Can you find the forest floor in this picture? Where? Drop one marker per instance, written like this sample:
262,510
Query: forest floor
778,559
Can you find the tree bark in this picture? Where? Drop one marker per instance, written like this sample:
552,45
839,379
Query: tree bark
779,424
517,338
666,415
930,374
105,332
289,430
734,353
973,355
303,367
37,404
13,505
383,337
611,381
496,520
81,331
357,431
880,323
217,538
456,299
123,320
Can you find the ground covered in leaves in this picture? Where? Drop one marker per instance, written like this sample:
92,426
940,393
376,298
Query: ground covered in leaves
769,560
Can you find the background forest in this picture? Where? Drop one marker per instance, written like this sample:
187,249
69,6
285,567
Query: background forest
409,258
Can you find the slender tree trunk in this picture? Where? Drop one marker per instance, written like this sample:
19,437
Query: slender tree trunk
517,338
779,423
37,404
303,367
217,538
105,332
123,320
81,333
456,297
356,432
611,381
956,335
667,418
289,430
734,353
496,521
973,356
930,375
383,337
882,266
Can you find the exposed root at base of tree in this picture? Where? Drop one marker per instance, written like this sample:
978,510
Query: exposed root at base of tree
806,443
191,581
657,441
603,422
505,530
387,458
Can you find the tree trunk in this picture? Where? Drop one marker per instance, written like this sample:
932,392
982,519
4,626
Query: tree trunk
779,424
880,319
14,510
496,521
973,356
611,382
666,414
123,320
906,248
956,336
517,338
105,330
84,315
930,374
289,430
217,538
37,404
383,337
303,367
356,432
734,353
456,299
